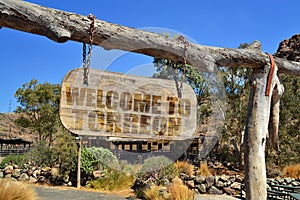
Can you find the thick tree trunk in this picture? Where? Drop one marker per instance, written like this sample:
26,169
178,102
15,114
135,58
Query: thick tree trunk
61,26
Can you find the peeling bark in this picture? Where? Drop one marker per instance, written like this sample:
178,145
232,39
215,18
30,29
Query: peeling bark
62,26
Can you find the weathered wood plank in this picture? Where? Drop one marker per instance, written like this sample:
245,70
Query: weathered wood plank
61,26
123,105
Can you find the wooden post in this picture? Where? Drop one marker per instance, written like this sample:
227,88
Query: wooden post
256,135
79,143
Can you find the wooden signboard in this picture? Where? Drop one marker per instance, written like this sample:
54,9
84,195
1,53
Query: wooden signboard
122,105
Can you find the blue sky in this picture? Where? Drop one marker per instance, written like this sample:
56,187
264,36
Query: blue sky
220,23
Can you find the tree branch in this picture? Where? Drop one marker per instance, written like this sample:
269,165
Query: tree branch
62,26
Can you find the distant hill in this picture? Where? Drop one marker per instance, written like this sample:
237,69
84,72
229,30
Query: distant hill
10,130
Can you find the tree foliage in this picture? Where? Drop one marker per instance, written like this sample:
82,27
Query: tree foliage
39,105
39,111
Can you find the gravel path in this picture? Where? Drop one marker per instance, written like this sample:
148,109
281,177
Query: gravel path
55,193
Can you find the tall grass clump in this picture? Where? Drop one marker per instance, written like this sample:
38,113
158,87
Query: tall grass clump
203,169
185,167
292,171
13,190
178,191
113,180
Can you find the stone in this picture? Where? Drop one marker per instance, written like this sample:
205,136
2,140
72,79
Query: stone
7,176
190,183
24,177
238,179
287,180
42,179
32,179
1,174
16,173
236,186
16,166
229,191
210,180
97,173
219,184
46,169
66,178
295,183
8,167
201,188
199,179
224,178
29,172
215,191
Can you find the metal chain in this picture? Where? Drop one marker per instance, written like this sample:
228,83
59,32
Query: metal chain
87,62
186,44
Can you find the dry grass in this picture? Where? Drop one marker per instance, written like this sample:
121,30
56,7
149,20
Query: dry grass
203,169
12,190
178,191
292,171
152,193
185,167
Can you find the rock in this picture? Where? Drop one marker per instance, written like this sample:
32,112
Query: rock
42,179
287,180
236,186
97,173
7,176
214,190
224,178
46,169
1,174
210,180
199,179
190,184
24,177
8,167
295,183
201,188
69,184
66,178
16,166
29,172
16,173
238,179
219,184
229,191
32,179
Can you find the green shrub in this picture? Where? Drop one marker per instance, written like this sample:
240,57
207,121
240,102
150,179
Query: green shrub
162,166
96,158
105,158
113,180
13,159
155,164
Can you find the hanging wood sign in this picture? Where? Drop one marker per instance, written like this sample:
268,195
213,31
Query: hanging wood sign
123,105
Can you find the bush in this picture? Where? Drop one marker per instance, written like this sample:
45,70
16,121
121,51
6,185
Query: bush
105,158
152,193
185,167
292,171
178,191
12,190
161,167
113,180
13,159
94,159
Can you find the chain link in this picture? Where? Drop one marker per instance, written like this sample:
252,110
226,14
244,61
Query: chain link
87,62
186,44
